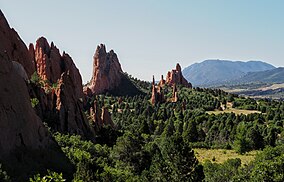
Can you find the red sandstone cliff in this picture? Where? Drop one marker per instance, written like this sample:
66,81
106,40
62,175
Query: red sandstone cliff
107,72
62,107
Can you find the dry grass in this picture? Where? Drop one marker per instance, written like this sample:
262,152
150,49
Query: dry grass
221,155
234,110
230,109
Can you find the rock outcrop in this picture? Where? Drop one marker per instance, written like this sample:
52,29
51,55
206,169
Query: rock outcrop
175,94
108,76
26,147
157,93
61,99
107,72
20,126
100,117
13,48
48,60
175,77
162,82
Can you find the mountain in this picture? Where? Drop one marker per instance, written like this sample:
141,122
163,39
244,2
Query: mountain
268,76
212,72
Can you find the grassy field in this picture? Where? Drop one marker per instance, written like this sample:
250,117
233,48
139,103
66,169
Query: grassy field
230,109
234,110
221,155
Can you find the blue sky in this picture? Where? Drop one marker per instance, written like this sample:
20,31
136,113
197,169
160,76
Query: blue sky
151,36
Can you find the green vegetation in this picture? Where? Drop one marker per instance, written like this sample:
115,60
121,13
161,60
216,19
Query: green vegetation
34,102
222,155
50,177
189,140
3,175
268,166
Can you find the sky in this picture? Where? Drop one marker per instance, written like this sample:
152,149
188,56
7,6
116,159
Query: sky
151,36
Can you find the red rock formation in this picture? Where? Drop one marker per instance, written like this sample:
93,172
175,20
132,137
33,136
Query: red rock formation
162,82
157,93
175,77
64,105
100,117
20,126
106,118
48,60
107,72
13,48
175,94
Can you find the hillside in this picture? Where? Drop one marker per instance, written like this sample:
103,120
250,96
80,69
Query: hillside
212,72
268,76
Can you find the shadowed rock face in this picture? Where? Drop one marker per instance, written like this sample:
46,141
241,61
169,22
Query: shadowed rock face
107,72
13,48
19,124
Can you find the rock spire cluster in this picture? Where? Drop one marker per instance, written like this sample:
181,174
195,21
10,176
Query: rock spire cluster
174,78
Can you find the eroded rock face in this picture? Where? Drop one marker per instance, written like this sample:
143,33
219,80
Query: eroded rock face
48,60
13,48
162,82
100,117
175,77
107,72
19,124
61,105
157,93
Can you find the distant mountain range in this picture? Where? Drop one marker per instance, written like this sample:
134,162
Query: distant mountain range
216,72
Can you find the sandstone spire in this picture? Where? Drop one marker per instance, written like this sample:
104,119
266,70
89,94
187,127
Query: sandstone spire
175,77
107,72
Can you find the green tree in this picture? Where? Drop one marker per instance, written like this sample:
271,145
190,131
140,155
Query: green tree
190,133
180,160
241,143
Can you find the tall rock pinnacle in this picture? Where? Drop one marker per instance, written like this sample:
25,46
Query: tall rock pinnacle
175,77
107,72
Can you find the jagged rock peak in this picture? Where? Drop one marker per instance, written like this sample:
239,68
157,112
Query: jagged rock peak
175,77
65,103
107,72
48,60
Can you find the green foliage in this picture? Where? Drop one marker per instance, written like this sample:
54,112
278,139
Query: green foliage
269,165
34,102
241,144
50,177
35,79
3,175
221,172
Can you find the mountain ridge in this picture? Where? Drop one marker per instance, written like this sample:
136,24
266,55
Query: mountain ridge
210,72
